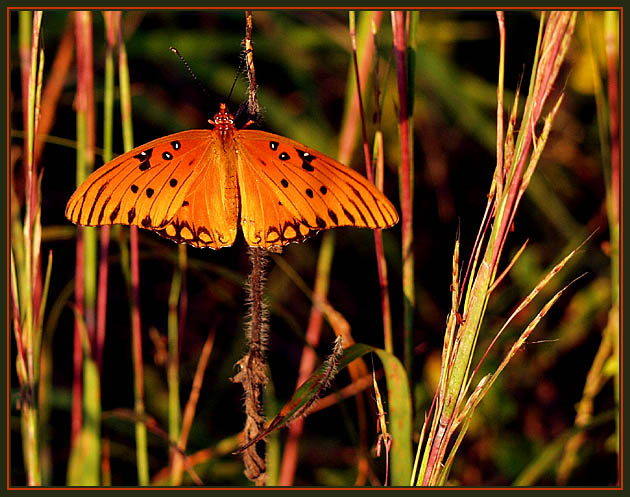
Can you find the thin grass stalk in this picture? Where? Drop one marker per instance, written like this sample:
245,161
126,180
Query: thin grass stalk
608,127
500,89
25,28
174,410
50,97
406,182
84,462
142,456
611,20
557,33
86,137
108,134
378,234
379,175
55,81
189,411
308,359
26,284
348,136
350,120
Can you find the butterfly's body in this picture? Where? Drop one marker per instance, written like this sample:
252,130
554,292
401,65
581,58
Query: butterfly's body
195,186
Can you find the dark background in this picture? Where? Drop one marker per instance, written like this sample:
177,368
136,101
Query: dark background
302,60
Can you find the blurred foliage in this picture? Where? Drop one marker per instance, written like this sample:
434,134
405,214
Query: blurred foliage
302,63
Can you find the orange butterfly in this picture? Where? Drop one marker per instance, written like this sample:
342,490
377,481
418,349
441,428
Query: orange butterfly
193,187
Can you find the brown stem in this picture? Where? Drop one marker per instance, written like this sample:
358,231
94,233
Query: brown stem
252,367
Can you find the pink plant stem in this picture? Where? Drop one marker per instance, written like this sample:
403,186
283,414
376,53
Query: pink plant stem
77,355
350,125
135,320
313,331
499,168
307,364
398,27
378,236
101,303
103,267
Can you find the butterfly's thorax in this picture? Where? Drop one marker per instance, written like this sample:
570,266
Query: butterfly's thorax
225,131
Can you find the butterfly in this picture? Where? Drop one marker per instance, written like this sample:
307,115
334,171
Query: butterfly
197,186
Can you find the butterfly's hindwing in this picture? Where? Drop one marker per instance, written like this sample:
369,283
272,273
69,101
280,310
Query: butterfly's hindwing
316,189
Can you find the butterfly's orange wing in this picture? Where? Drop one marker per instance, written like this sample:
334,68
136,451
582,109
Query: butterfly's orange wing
290,191
175,185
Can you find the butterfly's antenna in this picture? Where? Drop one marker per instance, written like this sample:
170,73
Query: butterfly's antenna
181,57
238,72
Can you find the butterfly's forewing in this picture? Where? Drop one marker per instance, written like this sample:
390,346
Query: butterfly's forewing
176,185
299,190
143,187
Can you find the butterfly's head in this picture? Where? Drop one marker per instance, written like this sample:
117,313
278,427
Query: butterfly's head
223,120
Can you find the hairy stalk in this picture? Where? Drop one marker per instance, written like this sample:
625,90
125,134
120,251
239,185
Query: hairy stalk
252,367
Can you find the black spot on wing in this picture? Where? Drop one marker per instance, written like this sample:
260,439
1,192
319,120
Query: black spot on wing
306,160
146,222
305,156
144,155
131,215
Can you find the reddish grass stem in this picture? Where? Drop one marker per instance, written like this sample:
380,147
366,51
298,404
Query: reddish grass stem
378,234
308,360
406,184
